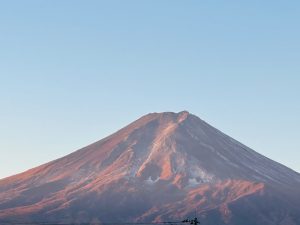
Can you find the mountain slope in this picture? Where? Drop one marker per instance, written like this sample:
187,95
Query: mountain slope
162,166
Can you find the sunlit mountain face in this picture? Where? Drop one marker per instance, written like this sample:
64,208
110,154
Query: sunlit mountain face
162,167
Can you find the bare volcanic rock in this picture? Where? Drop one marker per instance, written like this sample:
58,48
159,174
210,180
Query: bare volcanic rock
162,167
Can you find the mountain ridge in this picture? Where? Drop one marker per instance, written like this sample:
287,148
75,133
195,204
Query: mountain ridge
161,166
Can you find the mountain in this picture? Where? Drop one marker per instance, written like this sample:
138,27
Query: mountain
162,167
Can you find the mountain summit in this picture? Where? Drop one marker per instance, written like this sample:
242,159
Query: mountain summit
163,166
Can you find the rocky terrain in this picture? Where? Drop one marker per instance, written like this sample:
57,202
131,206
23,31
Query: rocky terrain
162,167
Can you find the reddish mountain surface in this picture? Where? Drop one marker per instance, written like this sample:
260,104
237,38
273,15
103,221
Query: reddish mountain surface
162,167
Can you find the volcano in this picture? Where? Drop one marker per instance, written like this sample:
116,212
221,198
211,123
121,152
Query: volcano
162,167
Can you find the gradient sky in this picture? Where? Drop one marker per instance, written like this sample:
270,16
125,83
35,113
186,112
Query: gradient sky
72,72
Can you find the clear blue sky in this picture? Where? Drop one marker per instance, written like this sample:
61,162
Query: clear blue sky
72,72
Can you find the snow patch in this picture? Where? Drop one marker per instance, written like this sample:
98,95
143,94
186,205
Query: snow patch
151,181
198,175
